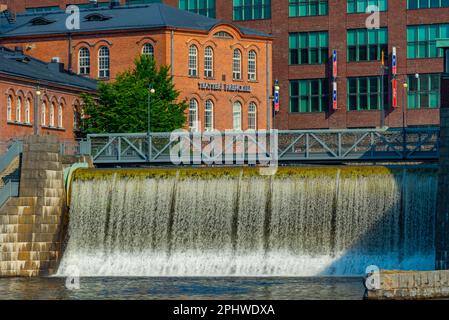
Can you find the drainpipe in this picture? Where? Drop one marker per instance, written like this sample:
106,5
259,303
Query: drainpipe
70,51
269,109
172,53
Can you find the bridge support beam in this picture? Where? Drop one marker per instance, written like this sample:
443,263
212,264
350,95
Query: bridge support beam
442,216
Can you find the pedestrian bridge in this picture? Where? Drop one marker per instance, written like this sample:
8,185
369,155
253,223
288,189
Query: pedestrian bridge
261,147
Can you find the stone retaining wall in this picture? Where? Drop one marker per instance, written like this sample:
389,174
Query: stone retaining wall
408,285
31,225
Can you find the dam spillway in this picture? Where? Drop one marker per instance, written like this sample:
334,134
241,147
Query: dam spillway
235,222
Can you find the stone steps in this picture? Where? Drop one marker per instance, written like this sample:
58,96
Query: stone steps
30,225
28,246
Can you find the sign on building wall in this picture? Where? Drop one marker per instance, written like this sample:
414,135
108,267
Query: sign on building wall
223,87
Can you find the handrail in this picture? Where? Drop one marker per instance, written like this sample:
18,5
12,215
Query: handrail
11,189
392,144
14,150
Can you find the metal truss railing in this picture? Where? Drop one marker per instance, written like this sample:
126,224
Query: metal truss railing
262,146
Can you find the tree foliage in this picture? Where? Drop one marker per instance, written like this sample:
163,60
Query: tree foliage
121,106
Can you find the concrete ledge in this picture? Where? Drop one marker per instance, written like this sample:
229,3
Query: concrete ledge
408,285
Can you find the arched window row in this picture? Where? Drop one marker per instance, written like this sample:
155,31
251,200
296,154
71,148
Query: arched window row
209,68
19,108
209,116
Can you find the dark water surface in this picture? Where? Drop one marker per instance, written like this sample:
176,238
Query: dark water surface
185,288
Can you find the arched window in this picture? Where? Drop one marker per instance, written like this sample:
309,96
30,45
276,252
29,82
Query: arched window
9,108
252,116
148,50
43,113
60,110
52,114
193,61
208,62
76,116
237,65
103,62
19,109
237,115
84,61
252,66
193,115
209,116
27,111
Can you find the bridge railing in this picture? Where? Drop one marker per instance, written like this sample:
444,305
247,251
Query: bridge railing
291,145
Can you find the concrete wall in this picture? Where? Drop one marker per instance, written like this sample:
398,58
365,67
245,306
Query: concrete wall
411,285
31,225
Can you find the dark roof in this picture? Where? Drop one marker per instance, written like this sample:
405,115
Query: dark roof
15,63
156,15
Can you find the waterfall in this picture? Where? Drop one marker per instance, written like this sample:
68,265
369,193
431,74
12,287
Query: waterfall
334,222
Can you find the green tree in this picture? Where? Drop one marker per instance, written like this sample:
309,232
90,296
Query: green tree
122,105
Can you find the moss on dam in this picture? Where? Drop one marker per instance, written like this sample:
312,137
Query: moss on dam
210,173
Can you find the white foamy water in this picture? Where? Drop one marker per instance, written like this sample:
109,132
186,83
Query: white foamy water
251,226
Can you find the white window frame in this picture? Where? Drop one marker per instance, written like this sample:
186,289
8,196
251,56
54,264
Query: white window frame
43,113
27,111
252,66
19,109
84,61
237,65
237,116
193,115
252,116
209,62
209,116
9,108
148,50
104,62
193,61
60,115
52,115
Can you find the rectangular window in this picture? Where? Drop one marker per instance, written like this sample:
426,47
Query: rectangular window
88,5
308,48
421,40
365,93
361,6
309,95
203,7
367,45
252,9
424,91
42,9
134,2
426,4
306,8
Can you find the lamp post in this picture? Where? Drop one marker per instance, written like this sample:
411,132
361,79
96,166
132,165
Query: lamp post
150,92
36,110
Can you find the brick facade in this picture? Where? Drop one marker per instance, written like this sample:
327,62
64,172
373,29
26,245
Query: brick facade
171,47
25,91
337,22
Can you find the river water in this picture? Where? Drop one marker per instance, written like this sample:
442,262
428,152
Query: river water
53,288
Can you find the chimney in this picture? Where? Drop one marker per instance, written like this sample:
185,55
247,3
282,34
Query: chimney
114,3
56,65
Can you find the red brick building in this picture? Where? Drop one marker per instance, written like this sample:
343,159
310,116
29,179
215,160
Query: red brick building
303,28
27,83
220,69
